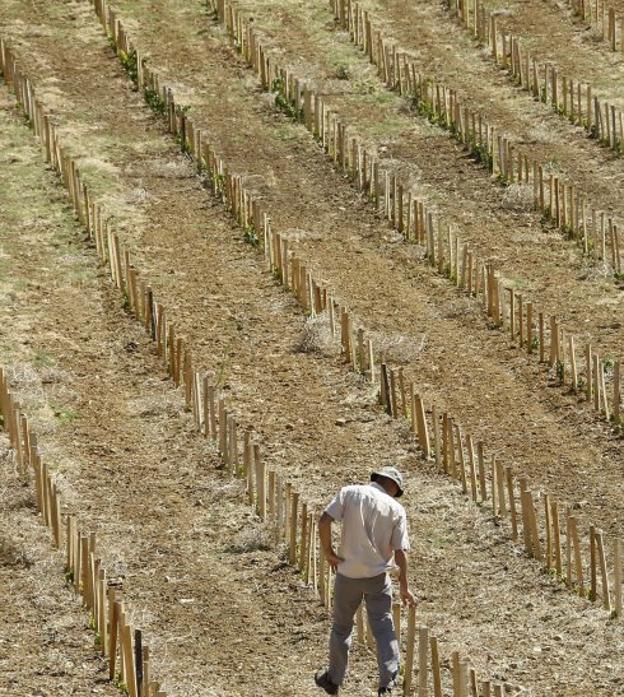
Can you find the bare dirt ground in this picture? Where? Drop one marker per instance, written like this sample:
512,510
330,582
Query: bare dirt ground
226,615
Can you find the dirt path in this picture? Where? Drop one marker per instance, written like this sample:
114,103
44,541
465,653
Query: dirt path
46,647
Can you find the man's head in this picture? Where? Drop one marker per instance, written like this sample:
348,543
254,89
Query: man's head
390,479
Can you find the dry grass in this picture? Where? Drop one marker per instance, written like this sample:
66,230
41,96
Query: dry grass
317,338
251,539
518,197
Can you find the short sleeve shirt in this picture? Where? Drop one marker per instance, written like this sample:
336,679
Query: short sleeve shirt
374,525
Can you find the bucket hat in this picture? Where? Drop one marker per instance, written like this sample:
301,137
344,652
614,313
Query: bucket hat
389,473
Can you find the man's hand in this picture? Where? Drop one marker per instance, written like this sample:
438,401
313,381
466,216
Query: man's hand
407,597
333,559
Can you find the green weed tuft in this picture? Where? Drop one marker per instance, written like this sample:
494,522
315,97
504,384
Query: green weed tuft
251,236
129,62
154,101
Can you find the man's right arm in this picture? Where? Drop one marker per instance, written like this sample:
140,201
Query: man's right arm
324,525
407,597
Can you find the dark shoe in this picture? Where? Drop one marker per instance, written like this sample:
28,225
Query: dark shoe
388,689
322,680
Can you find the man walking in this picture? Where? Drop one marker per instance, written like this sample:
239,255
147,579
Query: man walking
374,526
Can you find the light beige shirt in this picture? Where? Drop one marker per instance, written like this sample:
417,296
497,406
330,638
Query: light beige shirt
374,525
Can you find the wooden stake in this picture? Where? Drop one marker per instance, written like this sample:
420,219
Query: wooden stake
471,464
512,502
126,640
423,432
604,576
260,482
481,461
592,562
292,552
617,576
436,437
462,462
526,523
616,388
114,606
423,655
554,515
435,668
409,651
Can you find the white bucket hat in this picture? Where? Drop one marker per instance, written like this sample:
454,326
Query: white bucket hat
389,473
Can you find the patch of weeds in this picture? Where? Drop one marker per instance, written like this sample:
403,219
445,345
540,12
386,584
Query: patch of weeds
218,182
285,132
251,236
534,343
568,230
559,369
482,155
278,86
42,360
342,72
154,101
126,302
65,416
501,179
120,684
184,145
249,540
129,62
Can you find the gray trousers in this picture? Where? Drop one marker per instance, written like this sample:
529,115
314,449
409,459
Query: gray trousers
349,593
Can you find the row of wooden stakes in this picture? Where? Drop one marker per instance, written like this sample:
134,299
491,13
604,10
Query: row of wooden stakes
359,351
509,309
128,657
274,499
592,229
544,81
603,18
